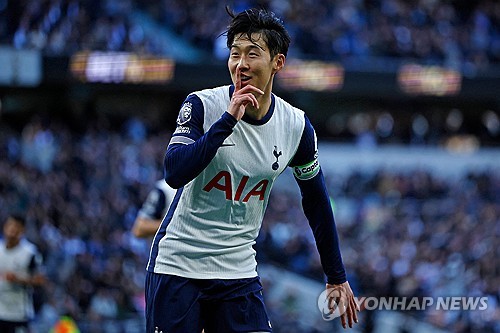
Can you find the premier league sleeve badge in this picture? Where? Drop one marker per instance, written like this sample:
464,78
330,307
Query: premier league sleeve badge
184,113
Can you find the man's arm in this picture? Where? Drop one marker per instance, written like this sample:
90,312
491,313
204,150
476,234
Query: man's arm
318,210
190,149
316,205
35,278
144,227
153,210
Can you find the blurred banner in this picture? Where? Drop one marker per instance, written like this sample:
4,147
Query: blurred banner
20,67
311,75
414,79
121,67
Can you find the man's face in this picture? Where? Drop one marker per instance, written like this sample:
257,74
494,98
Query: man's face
12,231
253,60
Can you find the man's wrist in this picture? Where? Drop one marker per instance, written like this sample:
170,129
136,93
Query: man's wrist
336,280
230,119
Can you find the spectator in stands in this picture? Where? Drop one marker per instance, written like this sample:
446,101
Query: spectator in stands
460,35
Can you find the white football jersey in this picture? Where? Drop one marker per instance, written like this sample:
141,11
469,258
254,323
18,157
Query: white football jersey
16,303
219,213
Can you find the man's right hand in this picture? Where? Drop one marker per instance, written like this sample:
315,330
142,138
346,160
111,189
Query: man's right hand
243,97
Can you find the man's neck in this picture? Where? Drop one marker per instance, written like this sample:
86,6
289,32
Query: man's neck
11,244
258,114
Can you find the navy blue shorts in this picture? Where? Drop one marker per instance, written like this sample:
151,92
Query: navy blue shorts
13,327
177,304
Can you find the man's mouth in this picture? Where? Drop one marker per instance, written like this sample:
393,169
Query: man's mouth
245,78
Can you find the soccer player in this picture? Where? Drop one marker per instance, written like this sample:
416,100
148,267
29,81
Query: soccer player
153,210
230,144
19,272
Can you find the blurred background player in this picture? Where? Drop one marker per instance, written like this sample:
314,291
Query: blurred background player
153,210
19,272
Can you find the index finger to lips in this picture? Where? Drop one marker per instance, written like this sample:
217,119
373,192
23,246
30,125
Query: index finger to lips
237,83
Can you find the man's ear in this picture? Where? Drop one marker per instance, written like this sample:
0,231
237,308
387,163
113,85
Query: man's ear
279,62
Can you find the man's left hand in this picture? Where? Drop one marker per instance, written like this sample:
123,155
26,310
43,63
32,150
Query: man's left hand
341,295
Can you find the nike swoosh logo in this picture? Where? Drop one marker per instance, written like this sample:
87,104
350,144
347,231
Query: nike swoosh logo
227,144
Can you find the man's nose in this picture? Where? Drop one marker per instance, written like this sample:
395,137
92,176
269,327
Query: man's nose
242,64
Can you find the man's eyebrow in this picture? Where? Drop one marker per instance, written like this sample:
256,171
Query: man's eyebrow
252,46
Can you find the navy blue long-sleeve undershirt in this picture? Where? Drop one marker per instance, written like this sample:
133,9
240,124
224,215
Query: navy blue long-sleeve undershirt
317,209
185,160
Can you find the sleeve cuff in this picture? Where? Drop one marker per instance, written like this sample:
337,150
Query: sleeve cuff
229,119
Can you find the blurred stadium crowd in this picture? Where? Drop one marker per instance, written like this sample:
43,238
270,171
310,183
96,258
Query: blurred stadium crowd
459,34
404,233
455,33
408,233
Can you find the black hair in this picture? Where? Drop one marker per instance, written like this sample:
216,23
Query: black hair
18,218
259,21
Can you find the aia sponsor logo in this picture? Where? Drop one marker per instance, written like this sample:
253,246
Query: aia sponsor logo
224,182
